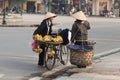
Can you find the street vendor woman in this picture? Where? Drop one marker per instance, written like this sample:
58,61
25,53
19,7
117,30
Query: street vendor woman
45,28
79,35
80,27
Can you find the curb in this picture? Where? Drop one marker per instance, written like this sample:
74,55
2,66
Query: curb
4,25
106,53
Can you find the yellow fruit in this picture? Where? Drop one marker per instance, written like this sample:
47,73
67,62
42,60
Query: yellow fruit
38,37
38,50
51,53
47,38
57,39
54,39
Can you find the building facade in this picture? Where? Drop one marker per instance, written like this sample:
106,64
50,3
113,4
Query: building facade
100,7
90,7
29,6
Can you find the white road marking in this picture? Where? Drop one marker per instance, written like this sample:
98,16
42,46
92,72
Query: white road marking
1,75
35,78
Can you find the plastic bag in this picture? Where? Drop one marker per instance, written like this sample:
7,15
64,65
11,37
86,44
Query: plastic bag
34,45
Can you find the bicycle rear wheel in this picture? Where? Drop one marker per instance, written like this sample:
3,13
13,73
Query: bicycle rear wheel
49,59
64,55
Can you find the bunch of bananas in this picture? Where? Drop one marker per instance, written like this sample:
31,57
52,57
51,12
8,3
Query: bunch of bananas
51,53
37,37
57,39
47,38
38,50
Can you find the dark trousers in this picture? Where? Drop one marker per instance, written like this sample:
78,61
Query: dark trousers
41,56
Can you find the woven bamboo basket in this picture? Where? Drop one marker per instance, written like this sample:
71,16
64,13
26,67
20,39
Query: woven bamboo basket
81,58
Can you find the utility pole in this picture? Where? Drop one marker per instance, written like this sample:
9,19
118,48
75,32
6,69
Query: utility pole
4,13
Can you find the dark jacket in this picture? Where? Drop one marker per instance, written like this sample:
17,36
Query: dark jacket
43,29
79,30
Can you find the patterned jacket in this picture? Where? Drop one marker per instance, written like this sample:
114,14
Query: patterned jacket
79,30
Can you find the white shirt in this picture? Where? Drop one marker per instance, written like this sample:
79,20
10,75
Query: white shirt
69,36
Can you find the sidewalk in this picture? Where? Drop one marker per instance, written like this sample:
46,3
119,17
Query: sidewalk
16,20
29,20
105,68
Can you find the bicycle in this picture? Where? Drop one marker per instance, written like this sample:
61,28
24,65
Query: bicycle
55,52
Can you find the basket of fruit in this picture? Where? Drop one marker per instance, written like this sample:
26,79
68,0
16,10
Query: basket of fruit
48,39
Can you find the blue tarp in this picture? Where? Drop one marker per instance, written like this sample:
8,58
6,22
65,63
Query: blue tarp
80,47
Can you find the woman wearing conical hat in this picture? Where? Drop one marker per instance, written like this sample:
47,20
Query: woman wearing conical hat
80,27
45,28
46,25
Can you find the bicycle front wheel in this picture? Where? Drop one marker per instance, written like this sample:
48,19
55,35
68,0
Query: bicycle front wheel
64,55
49,59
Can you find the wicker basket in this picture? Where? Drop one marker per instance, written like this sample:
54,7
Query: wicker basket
81,58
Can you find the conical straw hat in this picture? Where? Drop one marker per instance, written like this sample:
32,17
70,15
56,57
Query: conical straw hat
79,15
49,14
